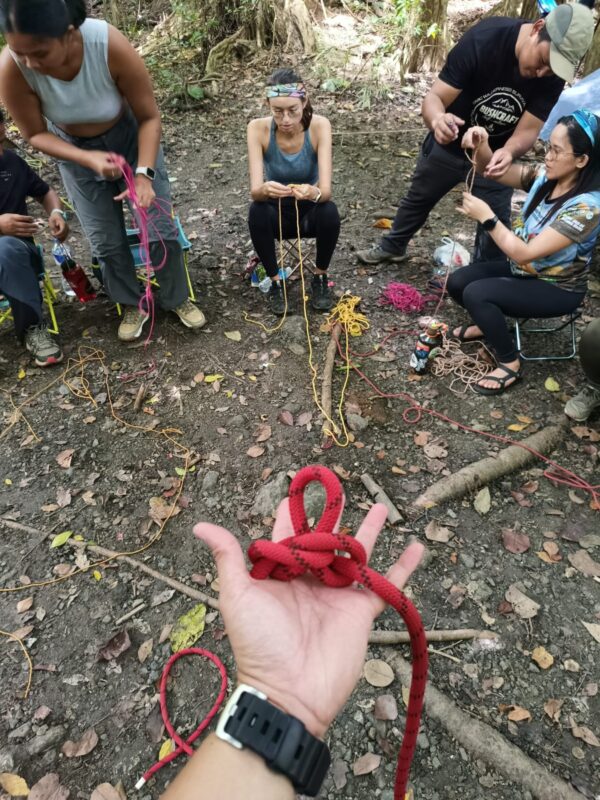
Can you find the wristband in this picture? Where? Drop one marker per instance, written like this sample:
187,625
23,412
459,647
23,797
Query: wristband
249,720
318,197
58,211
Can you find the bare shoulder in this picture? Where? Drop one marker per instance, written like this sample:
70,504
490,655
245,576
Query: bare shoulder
259,129
10,75
7,63
320,123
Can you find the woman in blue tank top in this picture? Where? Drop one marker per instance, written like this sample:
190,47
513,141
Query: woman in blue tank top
289,156
78,91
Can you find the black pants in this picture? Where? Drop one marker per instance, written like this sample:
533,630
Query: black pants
438,171
320,221
20,266
489,291
589,353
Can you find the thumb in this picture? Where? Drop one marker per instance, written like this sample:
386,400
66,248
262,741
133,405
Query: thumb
226,551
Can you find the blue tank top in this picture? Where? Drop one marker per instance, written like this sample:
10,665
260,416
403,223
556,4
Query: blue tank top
300,167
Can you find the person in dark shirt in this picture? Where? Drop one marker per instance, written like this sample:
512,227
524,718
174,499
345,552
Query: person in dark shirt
504,75
20,260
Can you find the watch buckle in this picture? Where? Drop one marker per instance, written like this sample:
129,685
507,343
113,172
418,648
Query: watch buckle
231,708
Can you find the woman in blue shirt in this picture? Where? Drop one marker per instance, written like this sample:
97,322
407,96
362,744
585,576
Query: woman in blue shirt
289,156
549,250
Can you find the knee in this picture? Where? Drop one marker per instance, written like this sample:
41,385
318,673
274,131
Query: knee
472,296
456,285
328,215
259,215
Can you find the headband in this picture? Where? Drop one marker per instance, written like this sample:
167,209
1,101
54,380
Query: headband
588,121
286,90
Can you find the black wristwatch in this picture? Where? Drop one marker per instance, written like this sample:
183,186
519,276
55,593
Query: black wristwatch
249,720
490,224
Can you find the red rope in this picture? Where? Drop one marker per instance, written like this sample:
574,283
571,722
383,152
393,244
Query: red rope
319,553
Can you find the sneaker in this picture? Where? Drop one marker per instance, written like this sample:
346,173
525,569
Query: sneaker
276,298
190,315
581,406
132,323
43,346
377,255
321,299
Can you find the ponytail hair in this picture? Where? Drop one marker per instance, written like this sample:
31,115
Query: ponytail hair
287,75
44,19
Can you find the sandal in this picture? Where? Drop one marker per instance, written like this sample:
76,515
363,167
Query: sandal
500,380
460,336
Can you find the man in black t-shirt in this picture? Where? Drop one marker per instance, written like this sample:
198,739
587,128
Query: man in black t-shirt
20,262
506,75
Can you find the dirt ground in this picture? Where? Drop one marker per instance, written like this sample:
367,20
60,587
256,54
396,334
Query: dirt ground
121,468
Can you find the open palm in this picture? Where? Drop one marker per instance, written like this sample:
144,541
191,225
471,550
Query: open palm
301,643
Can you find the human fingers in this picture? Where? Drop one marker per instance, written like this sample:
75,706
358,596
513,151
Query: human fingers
371,527
399,573
122,196
226,552
26,228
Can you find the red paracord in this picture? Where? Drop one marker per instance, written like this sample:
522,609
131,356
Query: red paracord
319,552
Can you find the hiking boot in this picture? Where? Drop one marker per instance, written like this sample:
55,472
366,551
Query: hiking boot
581,406
190,315
43,346
276,298
131,324
321,299
377,255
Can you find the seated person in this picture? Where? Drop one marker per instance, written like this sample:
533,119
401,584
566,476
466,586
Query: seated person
583,404
20,260
548,256
292,150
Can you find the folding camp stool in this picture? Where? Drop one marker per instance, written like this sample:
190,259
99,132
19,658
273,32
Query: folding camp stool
49,297
290,253
567,321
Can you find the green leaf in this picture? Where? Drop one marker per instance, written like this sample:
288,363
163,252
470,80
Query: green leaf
196,92
180,471
61,538
188,628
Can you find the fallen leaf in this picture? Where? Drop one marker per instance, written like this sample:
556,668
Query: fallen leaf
160,510
552,549
14,784
63,497
212,378
64,458
339,470
24,605
188,628
41,713
530,487
22,633
583,561
144,650
571,665
338,771
386,707
61,538
517,426
263,433
155,726
483,501
105,791
116,645
496,414
438,533
85,745
542,657
255,451
524,606
62,570
552,707
523,418
285,417
49,788
384,223
161,597
235,336
551,385
515,542
581,732
304,418
434,450
516,713
421,438
366,764
378,673
593,629
167,747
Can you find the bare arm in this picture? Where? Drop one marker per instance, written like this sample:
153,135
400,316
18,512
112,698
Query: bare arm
259,188
443,125
58,225
522,140
325,158
476,143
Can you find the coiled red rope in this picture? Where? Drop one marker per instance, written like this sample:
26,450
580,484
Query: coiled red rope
339,560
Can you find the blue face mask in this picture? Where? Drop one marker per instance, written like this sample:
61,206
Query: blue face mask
588,121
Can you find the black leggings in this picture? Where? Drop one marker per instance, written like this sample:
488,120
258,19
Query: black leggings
320,221
489,291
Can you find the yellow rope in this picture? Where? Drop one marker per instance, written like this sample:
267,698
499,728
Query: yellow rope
27,656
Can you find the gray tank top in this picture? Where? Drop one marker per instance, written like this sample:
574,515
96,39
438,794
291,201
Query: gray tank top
300,167
92,95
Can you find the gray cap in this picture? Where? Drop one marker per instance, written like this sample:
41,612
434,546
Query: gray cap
571,28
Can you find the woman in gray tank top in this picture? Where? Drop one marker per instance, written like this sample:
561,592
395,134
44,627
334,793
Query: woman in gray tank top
290,161
78,91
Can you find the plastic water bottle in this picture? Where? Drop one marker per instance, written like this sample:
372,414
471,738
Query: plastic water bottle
72,273
265,284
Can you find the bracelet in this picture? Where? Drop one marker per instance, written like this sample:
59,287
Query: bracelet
318,197
58,211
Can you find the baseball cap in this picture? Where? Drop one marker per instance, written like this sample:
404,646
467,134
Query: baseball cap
570,27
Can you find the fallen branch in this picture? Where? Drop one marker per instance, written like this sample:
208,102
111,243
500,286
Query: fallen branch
326,386
490,469
376,491
487,744
402,637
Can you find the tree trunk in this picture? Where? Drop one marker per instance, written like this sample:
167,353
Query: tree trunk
424,40
526,9
592,60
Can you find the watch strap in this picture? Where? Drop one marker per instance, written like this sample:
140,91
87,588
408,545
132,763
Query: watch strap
249,720
490,224
149,172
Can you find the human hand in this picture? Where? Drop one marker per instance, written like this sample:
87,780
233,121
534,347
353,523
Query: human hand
474,137
18,225
302,643
273,190
103,163
498,163
445,128
475,208
304,191
59,227
144,191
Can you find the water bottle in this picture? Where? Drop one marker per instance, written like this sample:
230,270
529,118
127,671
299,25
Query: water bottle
265,284
72,273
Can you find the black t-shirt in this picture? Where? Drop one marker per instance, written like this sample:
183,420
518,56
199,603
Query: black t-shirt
18,182
483,65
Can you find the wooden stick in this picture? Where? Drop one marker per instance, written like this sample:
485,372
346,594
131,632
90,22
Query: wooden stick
326,386
139,399
131,613
487,470
402,637
486,744
376,491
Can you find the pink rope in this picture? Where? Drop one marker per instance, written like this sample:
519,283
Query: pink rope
404,297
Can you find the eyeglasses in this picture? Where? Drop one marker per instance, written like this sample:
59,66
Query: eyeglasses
291,112
553,152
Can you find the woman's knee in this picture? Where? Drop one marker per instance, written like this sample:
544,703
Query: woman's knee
259,215
327,215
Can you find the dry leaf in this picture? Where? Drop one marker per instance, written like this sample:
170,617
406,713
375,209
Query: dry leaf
160,510
384,223
434,450
144,650
524,606
166,748
255,451
530,487
22,633
49,788
85,745
386,707
24,605
64,458
542,657
285,417
581,732
105,791
263,433
515,542
593,629
13,784
437,533
366,764
483,501
304,418
118,644
235,336
421,438
583,561
551,385
517,426
575,498
41,713
516,713
552,549
339,470
378,673
63,497
155,726
552,707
